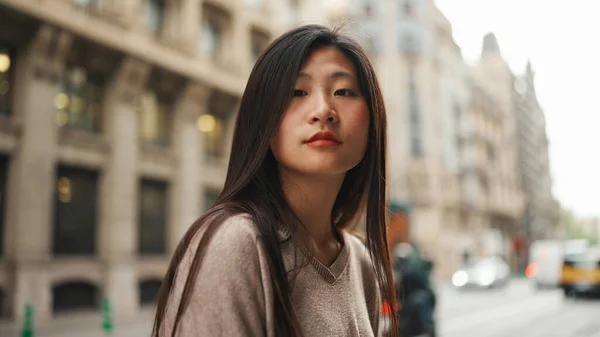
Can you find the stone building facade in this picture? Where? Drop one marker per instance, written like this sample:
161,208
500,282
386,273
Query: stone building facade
115,125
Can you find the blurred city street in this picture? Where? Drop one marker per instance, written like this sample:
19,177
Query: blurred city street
517,310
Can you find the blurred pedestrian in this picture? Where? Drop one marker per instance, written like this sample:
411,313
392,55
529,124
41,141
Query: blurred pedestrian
273,257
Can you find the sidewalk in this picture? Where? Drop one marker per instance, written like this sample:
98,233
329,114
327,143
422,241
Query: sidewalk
88,325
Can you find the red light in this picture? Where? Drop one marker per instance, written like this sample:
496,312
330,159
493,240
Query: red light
531,270
387,309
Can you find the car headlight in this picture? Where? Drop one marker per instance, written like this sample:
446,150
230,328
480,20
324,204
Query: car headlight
460,278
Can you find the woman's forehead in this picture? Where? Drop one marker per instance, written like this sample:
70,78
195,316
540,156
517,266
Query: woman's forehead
327,59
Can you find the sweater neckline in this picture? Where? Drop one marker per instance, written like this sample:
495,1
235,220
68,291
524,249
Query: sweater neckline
329,274
332,273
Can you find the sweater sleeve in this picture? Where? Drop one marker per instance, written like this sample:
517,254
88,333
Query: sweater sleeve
231,295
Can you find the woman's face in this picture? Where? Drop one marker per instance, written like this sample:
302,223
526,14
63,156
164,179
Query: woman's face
324,130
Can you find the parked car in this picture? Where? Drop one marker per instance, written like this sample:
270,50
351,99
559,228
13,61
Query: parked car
482,273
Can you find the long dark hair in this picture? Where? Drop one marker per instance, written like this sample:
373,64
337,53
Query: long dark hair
252,185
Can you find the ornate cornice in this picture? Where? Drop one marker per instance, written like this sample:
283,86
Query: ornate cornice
49,51
193,101
131,78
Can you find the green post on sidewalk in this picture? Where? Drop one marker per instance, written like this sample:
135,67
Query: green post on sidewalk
27,330
107,322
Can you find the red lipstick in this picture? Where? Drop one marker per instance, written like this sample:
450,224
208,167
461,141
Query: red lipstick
323,139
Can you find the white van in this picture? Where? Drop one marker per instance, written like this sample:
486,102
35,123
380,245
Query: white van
546,259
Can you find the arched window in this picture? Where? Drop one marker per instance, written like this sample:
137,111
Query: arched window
75,296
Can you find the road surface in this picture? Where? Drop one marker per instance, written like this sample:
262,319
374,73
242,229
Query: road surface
518,310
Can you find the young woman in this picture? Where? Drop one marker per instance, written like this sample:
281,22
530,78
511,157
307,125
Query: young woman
272,257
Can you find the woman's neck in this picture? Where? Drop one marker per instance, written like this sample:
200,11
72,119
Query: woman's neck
312,199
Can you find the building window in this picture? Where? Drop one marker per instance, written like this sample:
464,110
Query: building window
491,154
3,180
155,10
416,147
212,128
409,44
75,296
210,197
152,217
7,78
3,304
154,122
213,125
148,290
260,41
414,112
210,40
79,104
84,5
485,188
368,8
253,4
408,7
75,212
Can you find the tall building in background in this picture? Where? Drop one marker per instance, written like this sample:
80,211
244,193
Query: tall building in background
449,159
541,213
489,178
115,125
541,217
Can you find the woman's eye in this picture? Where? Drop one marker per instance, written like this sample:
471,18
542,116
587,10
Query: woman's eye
345,92
299,93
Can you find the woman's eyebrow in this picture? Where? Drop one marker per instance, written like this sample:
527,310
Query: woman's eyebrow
336,74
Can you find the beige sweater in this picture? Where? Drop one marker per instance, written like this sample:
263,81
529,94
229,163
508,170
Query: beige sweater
233,294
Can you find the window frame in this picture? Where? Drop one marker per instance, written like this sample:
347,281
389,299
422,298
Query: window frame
85,236
145,247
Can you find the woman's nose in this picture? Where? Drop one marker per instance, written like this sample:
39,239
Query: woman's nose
323,110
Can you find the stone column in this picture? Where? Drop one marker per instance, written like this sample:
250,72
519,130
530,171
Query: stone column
239,46
190,25
32,171
119,187
186,196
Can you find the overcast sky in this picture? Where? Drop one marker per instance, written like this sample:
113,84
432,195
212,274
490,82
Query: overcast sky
561,38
